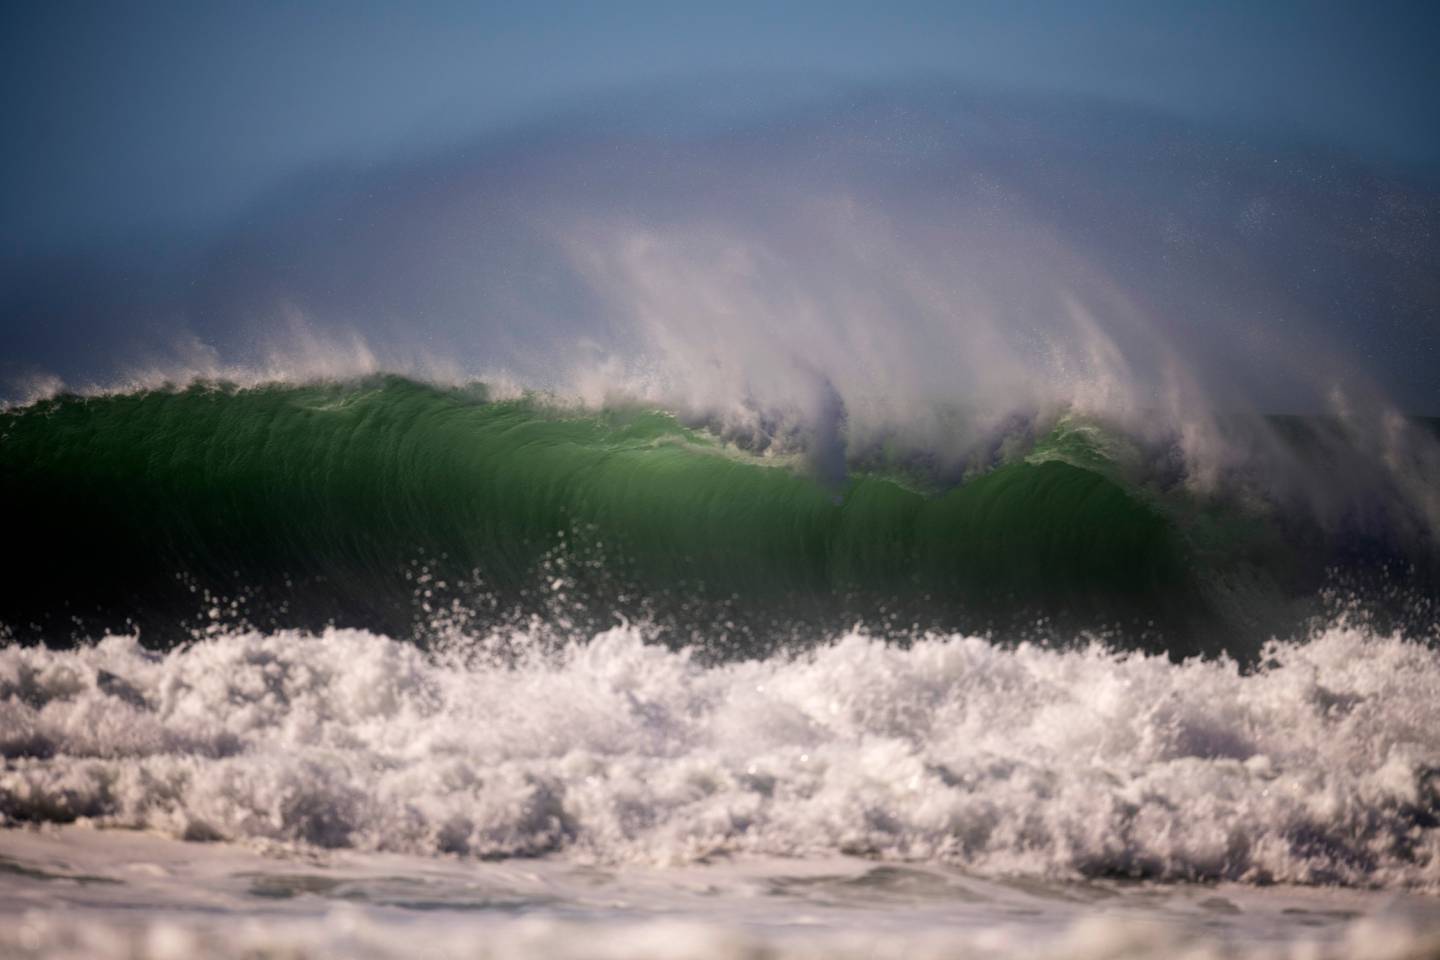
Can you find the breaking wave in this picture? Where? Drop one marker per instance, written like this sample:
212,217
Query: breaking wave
1318,767
380,503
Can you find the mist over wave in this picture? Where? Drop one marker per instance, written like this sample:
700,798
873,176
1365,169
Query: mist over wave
840,276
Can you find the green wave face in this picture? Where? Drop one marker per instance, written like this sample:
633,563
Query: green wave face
323,503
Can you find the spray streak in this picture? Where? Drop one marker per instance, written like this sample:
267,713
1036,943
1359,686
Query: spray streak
906,273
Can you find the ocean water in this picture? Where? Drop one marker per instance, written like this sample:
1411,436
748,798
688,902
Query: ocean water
376,667
344,793
77,893
406,507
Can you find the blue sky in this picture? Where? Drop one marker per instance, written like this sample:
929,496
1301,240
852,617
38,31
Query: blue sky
137,116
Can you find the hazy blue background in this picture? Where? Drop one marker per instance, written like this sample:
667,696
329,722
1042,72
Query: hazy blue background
118,115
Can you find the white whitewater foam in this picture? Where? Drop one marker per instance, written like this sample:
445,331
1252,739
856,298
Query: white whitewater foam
1321,767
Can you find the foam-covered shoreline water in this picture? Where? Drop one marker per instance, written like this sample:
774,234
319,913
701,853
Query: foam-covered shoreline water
75,892
1318,767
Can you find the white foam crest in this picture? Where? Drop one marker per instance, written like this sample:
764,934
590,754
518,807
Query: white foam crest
297,351
740,321
1318,768
838,321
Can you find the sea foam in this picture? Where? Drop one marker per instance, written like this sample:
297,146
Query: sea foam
1322,765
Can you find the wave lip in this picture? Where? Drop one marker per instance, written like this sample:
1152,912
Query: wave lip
1319,767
